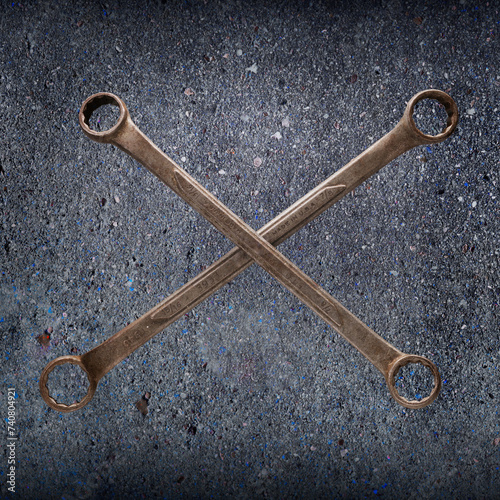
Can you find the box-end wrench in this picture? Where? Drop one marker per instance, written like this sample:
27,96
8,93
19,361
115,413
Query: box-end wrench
126,136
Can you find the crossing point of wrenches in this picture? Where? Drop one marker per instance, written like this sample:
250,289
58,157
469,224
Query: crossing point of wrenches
254,246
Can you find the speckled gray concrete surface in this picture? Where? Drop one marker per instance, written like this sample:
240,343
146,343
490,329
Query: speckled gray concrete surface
250,394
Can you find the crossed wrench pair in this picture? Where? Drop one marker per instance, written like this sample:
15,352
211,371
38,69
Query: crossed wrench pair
254,246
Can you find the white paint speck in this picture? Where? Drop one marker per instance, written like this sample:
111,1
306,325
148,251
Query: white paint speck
252,68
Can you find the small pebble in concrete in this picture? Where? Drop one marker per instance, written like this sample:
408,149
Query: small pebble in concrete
142,404
44,338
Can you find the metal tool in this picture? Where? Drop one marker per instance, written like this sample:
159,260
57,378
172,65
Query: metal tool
254,246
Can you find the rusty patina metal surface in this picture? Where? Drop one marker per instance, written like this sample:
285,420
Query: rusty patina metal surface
254,246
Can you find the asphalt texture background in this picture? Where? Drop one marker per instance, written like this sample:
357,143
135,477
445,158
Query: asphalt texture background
250,394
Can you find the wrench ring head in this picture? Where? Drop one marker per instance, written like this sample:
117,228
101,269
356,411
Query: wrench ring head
94,102
44,390
449,105
403,361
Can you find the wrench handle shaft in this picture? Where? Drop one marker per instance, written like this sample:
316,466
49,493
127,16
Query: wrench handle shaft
377,350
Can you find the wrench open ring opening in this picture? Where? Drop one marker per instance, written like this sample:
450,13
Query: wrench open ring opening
44,378
404,360
449,105
93,103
